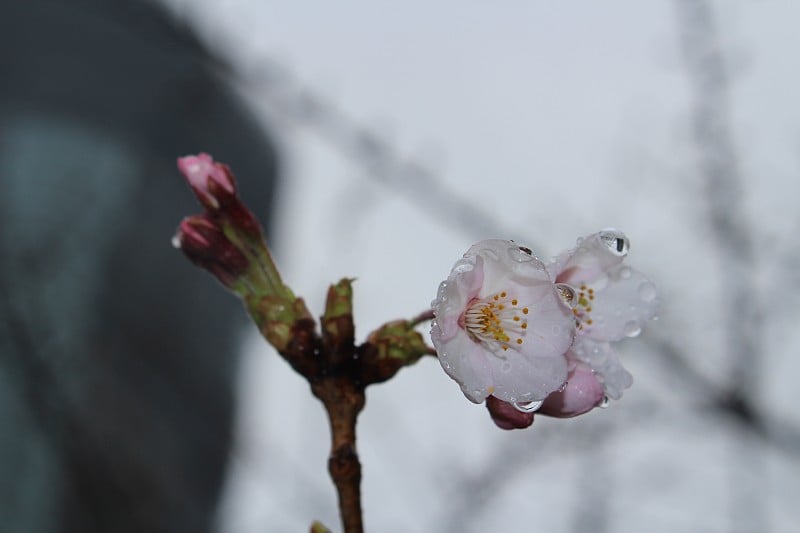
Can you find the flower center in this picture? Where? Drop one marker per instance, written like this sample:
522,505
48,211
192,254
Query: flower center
497,321
583,309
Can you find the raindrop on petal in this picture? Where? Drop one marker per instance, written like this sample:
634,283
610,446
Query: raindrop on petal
604,402
505,367
647,291
568,294
519,255
616,242
625,273
528,407
526,250
631,329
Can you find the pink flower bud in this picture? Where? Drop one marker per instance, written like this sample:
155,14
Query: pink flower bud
506,416
212,183
582,393
206,245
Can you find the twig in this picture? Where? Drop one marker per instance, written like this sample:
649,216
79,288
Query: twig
343,401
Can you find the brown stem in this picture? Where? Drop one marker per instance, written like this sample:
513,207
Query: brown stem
343,401
422,317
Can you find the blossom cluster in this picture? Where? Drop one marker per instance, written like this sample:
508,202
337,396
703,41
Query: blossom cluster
525,336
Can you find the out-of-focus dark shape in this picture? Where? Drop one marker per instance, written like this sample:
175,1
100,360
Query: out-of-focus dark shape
117,357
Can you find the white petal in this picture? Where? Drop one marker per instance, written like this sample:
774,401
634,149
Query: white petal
588,261
519,378
466,362
603,360
506,261
620,308
551,326
461,286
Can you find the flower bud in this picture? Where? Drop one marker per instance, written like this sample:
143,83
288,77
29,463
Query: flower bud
212,183
506,416
582,393
204,243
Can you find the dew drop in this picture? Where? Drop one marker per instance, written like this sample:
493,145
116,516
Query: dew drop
518,255
616,242
604,402
505,367
647,292
556,330
568,294
631,329
528,407
625,273
176,241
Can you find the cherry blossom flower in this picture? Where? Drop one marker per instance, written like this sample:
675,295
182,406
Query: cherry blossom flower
501,326
613,301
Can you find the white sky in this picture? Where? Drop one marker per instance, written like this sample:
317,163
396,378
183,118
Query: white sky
556,119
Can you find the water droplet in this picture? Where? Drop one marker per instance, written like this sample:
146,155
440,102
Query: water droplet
556,330
616,241
568,294
563,387
647,292
518,255
604,402
176,241
528,407
525,249
631,329
505,367
625,273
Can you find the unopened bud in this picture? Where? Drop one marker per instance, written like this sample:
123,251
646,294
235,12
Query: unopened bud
206,245
582,393
506,416
212,182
